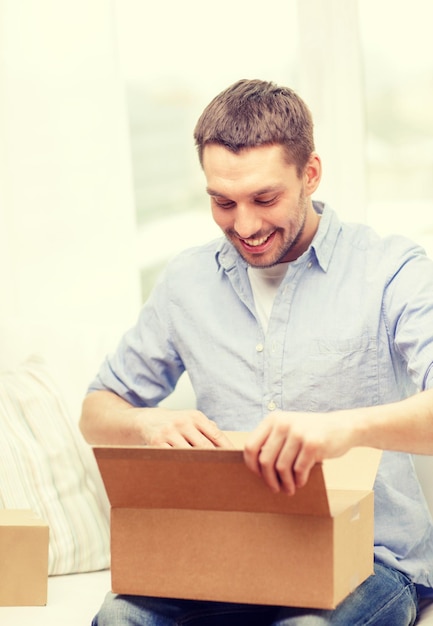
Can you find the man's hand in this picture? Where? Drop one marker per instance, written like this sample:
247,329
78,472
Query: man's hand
108,419
285,446
181,429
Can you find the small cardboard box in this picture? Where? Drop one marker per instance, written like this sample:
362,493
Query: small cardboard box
197,524
23,558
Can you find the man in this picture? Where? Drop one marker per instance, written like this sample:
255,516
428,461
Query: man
312,335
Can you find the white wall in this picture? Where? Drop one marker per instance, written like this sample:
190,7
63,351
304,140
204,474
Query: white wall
67,232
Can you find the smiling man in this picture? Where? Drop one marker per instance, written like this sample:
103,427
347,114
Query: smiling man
313,335
260,203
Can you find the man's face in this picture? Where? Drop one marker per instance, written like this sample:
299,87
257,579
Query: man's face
260,203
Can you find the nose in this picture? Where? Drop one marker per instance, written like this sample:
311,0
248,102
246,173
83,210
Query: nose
247,221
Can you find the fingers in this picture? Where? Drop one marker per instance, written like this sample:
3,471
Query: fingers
260,454
277,460
219,439
184,429
304,463
253,446
281,457
202,432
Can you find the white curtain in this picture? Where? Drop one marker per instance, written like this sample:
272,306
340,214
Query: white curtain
332,85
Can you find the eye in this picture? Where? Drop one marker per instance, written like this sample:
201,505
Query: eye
223,203
265,200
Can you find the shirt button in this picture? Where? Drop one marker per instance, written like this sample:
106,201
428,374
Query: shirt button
259,347
272,406
310,265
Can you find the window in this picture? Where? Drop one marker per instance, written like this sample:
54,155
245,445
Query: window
364,69
398,66
174,58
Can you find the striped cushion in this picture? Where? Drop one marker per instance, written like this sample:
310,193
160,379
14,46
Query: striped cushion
46,466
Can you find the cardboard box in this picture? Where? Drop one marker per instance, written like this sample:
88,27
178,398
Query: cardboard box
194,523
23,558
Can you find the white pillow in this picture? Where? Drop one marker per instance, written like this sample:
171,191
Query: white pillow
46,466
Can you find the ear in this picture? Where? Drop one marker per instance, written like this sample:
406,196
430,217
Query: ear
312,173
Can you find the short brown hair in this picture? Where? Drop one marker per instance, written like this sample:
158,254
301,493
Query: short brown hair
252,113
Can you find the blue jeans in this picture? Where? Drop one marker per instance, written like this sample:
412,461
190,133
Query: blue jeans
386,599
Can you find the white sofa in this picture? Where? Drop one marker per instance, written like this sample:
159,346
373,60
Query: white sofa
73,355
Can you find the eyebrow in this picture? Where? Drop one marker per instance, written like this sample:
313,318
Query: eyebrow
258,192
212,192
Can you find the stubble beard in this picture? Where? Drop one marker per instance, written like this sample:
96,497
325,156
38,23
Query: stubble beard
286,246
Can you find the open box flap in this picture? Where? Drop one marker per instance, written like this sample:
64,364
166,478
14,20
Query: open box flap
355,471
145,477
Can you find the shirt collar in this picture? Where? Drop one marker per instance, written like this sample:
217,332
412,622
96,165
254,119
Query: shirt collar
323,243
325,239
227,257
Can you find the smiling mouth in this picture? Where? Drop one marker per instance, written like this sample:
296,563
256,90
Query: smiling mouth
257,242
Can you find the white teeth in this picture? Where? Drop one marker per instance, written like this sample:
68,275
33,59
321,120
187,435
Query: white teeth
256,242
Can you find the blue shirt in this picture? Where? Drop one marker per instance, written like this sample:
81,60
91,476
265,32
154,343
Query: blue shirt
351,326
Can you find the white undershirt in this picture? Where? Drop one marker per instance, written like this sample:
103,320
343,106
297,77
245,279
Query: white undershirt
264,283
